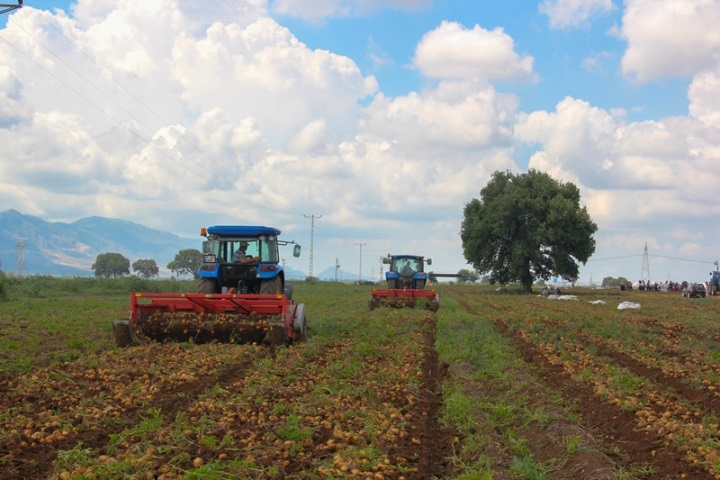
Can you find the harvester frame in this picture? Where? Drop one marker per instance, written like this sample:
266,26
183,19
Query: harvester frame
273,319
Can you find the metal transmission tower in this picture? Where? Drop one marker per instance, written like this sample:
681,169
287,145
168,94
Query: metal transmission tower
8,7
645,273
312,239
360,274
20,251
337,267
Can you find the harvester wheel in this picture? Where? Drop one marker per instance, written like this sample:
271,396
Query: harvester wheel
288,291
373,303
272,286
300,323
207,285
123,333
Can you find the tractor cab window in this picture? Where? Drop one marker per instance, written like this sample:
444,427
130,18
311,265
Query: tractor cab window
409,266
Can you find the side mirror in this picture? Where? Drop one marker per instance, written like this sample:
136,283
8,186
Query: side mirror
296,251
428,261
386,260
206,246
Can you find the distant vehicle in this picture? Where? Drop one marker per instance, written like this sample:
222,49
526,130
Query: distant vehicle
695,290
406,279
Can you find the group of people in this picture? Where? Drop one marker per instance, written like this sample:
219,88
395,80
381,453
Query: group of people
647,286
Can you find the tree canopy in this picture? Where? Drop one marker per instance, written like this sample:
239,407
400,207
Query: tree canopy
186,262
526,227
111,265
146,268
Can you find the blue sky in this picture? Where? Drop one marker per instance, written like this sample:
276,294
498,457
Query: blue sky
385,117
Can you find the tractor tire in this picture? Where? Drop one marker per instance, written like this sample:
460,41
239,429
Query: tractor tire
300,323
123,333
420,284
392,284
207,285
288,291
272,286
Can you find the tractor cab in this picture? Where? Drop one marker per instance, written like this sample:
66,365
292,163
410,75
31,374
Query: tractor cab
406,271
222,270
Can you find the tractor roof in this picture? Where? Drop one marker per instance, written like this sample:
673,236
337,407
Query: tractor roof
242,231
406,256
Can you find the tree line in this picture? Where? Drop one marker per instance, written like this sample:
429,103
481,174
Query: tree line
114,265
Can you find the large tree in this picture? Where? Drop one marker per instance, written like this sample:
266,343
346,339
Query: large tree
146,267
111,265
526,227
186,261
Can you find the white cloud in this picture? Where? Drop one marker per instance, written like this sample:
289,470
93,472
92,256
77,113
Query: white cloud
454,52
704,98
321,9
12,108
670,38
573,13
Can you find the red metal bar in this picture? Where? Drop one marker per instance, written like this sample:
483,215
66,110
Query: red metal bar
149,303
403,293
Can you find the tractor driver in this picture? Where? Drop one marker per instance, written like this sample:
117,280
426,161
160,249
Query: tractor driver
407,270
240,255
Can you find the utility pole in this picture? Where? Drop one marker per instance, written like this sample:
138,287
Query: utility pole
20,251
337,267
645,274
9,7
360,274
312,238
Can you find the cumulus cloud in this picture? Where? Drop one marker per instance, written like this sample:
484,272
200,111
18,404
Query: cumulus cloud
321,9
704,98
452,51
12,108
670,38
642,173
565,14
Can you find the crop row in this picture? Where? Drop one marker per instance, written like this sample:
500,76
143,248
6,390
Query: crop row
656,375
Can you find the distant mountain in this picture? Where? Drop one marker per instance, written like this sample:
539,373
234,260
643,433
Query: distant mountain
56,248
342,276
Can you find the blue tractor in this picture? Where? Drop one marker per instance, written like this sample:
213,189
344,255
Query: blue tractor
241,296
259,271
406,279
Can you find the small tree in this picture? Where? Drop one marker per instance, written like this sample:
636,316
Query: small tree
111,265
186,262
525,227
465,275
146,268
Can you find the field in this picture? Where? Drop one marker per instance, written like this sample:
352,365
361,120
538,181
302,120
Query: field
491,386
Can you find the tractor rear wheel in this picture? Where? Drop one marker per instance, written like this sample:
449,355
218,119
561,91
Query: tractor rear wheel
207,285
272,286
